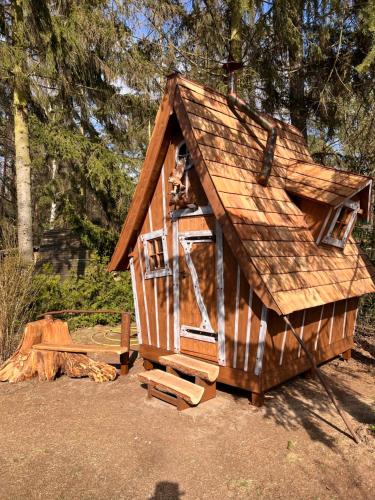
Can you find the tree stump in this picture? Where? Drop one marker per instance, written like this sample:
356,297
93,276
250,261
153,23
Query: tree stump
26,363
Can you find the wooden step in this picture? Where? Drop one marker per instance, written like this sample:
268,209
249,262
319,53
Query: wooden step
167,382
81,348
191,366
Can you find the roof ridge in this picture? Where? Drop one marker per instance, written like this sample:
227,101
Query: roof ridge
214,91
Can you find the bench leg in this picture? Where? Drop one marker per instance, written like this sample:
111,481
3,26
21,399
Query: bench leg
209,389
347,355
147,365
257,399
172,371
149,391
182,404
176,401
124,363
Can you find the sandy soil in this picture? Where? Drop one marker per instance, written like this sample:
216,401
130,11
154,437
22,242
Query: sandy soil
74,439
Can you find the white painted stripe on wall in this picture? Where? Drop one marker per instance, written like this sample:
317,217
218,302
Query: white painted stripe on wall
283,345
355,320
344,325
167,310
261,341
176,288
156,314
301,332
220,294
332,322
135,299
236,317
144,292
319,326
167,277
248,330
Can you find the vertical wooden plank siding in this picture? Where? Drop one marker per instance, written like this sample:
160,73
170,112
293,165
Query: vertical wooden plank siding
344,322
135,299
326,326
283,344
256,313
220,294
332,323
301,331
248,329
236,317
139,288
319,328
243,313
156,313
141,263
154,286
322,330
176,288
160,222
230,267
351,316
164,204
261,341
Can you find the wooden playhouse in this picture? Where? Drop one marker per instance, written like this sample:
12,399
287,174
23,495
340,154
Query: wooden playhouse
218,260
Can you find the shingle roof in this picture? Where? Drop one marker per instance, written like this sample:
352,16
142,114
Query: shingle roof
328,185
265,228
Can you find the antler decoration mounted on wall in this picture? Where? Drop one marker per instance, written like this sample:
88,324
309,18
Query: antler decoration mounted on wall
181,196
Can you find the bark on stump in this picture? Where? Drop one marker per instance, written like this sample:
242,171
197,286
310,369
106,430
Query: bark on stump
26,363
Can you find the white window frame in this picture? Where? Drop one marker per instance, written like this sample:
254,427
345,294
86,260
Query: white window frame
156,273
337,242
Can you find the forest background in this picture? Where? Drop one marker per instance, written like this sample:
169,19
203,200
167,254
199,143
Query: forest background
80,84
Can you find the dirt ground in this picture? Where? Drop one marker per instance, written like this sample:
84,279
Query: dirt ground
74,439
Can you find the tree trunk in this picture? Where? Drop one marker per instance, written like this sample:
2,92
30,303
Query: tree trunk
235,36
21,140
297,105
54,203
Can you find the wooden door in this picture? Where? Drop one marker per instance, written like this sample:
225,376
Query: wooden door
198,318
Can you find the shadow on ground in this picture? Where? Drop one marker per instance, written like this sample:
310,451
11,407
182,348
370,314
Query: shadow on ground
165,490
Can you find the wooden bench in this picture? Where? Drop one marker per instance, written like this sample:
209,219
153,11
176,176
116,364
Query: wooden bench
96,351
174,390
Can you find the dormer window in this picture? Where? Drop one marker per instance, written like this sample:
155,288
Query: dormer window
342,224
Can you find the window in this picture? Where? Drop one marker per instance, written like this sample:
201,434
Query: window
156,254
342,224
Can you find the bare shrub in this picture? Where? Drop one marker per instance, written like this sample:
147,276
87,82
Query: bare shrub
17,292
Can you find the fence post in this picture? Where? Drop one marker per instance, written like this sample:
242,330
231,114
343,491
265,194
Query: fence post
125,342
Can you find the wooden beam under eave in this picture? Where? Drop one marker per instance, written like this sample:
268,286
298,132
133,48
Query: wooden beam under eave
234,241
148,178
